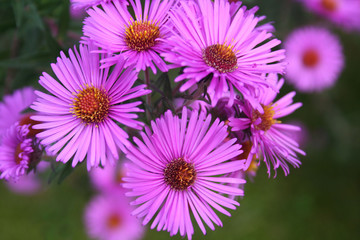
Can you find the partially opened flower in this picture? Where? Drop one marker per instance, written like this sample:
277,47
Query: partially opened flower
213,38
345,13
13,106
107,217
269,137
315,59
83,114
179,169
16,152
139,40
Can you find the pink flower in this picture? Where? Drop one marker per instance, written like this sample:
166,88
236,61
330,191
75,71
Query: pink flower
213,38
345,13
80,116
139,40
268,136
13,106
179,169
315,59
16,152
107,217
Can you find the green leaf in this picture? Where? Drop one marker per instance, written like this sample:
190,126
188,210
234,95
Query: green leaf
18,8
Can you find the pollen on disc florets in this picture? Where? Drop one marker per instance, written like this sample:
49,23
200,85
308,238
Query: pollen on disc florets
267,119
179,174
221,57
91,105
142,35
310,58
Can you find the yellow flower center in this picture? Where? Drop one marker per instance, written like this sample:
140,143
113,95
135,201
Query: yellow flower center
91,105
266,118
142,35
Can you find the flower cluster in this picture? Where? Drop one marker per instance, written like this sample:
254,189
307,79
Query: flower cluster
189,146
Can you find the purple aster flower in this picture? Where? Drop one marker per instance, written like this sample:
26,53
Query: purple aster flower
268,136
345,13
12,107
139,40
212,38
108,178
179,169
16,152
78,4
80,116
107,217
315,59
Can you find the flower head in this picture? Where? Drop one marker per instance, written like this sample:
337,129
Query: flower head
211,38
345,13
16,152
139,40
179,168
80,116
107,217
269,137
12,107
315,59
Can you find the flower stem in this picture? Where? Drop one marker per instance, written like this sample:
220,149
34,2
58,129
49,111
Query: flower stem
148,96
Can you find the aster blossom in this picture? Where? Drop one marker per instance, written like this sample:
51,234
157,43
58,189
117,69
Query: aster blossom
212,38
344,13
107,217
16,152
315,58
139,39
178,169
270,138
80,116
13,106
78,4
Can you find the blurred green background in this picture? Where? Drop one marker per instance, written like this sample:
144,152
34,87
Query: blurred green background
321,200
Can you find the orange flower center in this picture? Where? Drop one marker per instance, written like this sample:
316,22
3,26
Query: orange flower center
311,58
113,221
27,120
91,105
329,5
142,35
179,174
221,57
266,118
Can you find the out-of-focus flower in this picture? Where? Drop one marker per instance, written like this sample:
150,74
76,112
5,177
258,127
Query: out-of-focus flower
16,152
179,168
345,13
80,116
107,217
13,106
108,178
30,183
315,59
139,40
269,138
211,38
